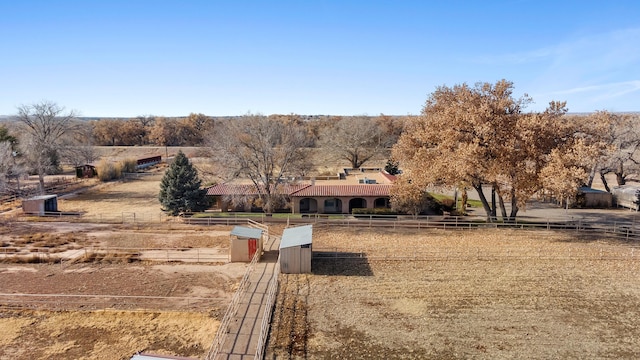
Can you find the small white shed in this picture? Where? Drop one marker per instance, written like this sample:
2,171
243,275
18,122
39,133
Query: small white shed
295,250
245,242
39,205
627,196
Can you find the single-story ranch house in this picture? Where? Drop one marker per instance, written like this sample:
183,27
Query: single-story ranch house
354,188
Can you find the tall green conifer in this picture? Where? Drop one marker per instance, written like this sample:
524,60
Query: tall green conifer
180,190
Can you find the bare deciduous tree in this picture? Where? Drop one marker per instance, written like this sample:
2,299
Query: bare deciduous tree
354,139
266,151
623,137
6,161
78,145
45,123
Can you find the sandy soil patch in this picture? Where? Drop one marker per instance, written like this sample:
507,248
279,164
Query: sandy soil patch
170,309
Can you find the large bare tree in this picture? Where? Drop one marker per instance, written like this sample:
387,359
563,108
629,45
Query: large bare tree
354,139
6,162
78,146
269,152
480,137
45,123
623,155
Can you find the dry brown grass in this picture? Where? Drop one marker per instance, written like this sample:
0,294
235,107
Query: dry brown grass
455,295
103,334
113,199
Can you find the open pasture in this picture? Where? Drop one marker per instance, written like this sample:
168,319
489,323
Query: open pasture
485,294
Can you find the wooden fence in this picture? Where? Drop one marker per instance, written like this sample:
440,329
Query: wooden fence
232,309
90,302
268,311
44,254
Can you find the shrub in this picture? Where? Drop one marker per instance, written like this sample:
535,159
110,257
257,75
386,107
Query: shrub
374,211
447,204
108,170
128,165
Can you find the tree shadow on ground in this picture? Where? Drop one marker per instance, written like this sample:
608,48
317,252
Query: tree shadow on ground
340,264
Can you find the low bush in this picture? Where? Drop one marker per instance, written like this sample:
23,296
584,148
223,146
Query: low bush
374,211
108,170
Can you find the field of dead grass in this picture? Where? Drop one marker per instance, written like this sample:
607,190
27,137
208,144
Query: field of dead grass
134,195
108,334
494,294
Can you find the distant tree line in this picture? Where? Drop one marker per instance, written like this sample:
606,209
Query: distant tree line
466,137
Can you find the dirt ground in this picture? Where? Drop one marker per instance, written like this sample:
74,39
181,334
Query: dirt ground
110,308
383,294
458,295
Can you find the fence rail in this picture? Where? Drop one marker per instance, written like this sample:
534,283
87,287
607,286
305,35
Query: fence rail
99,302
481,253
232,309
59,185
44,254
268,311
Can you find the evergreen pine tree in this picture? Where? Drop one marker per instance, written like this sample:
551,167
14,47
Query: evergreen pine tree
180,190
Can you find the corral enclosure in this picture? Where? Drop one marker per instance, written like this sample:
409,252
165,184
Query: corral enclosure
461,294
107,291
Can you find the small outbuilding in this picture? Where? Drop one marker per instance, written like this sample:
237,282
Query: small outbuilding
627,196
146,356
593,198
295,250
86,171
39,205
245,242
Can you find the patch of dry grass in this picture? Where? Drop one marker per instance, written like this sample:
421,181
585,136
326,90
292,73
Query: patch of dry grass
103,334
113,199
459,294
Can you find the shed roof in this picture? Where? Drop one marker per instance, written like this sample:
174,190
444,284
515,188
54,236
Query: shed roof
626,189
586,189
296,236
145,356
43,197
247,232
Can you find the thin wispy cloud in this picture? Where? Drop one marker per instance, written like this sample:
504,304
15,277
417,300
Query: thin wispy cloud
593,72
615,89
619,45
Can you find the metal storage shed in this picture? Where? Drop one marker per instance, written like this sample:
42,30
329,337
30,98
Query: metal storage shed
39,205
593,198
627,196
295,250
245,242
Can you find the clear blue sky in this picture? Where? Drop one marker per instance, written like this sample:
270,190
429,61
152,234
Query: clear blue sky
129,58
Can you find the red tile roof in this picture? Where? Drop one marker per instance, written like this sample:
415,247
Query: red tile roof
391,178
344,190
248,189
